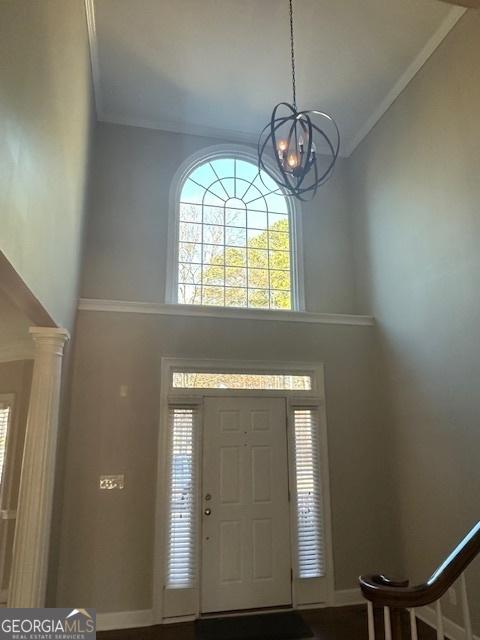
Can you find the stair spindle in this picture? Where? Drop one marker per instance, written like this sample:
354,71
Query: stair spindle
413,624
387,622
466,608
440,630
371,622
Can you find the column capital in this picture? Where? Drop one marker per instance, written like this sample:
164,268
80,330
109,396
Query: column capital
50,339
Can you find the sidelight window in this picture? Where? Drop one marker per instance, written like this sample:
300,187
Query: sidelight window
309,508
5,414
181,516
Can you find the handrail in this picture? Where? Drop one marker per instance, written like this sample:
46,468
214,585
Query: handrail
385,592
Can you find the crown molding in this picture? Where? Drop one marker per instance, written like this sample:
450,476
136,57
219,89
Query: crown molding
155,308
226,135
432,44
407,76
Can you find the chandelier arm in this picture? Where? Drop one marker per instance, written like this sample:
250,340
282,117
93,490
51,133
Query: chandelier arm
308,125
315,183
327,140
308,137
334,152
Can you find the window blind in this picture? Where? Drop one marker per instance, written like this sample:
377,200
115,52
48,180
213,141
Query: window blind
4,422
310,530
182,490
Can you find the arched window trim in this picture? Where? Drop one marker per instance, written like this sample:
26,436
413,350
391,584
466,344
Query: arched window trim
294,210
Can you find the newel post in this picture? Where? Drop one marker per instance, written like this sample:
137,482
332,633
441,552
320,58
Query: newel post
32,531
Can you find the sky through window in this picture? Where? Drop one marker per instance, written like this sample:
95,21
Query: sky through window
234,241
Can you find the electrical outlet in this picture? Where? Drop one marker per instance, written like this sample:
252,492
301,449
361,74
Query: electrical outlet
452,596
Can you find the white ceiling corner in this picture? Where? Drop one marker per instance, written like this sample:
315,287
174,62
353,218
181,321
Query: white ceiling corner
123,41
411,71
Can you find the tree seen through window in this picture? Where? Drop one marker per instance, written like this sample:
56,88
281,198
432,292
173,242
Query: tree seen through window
234,245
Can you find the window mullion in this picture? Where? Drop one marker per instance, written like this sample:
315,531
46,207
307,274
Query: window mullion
199,229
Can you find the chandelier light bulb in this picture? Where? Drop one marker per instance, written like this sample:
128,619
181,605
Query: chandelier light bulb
282,145
292,160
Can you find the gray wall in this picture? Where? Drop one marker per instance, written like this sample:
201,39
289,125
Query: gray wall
126,249
416,212
45,107
107,537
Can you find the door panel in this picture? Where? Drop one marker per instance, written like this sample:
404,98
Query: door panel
246,536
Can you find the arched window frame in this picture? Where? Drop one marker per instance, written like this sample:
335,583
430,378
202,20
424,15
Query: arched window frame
294,211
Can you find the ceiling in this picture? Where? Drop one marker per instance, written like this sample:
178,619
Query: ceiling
217,67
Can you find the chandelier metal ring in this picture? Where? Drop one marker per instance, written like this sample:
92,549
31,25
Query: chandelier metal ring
290,141
304,145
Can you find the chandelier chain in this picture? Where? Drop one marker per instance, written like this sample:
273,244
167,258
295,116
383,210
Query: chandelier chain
292,52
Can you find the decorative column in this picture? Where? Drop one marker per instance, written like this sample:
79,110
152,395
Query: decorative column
32,532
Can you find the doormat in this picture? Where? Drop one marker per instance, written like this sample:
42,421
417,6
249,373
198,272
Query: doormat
286,625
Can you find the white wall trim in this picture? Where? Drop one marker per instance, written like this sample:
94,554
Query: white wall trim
246,137
124,620
185,128
453,630
407,76
155,308
21,350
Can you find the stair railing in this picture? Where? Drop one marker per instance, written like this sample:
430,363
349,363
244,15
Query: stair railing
394,596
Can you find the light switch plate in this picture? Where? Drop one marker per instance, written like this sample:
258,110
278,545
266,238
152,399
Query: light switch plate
112,482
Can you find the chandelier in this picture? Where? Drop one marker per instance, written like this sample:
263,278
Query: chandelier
303,144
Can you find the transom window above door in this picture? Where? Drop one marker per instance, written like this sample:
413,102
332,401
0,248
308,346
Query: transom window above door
235,238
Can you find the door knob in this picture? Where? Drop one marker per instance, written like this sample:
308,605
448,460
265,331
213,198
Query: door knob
207,512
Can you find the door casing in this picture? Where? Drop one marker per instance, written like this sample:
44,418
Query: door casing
181,605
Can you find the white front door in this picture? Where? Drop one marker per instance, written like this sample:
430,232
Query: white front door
246,561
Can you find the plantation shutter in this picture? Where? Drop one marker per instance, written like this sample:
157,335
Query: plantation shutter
310,525
182,492
4,422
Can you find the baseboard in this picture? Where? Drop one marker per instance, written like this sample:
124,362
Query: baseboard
144,618
124,620
452,630
347,597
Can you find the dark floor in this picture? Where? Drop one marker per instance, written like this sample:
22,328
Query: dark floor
335,623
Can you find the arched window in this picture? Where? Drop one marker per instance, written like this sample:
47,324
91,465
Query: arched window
234,238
